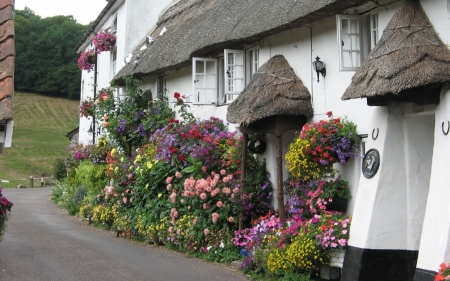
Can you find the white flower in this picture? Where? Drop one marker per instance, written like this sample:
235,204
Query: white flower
222,245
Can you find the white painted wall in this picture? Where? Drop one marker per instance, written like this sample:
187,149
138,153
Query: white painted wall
435,241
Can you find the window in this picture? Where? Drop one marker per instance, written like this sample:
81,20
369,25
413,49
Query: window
234,71
374,36
254,61
160,87
113,62
349,41
220,80
113,25
205,80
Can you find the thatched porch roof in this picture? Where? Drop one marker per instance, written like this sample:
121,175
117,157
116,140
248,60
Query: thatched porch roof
202,28
409,55
275,90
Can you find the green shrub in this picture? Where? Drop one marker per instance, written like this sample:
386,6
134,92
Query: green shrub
92,177
59,169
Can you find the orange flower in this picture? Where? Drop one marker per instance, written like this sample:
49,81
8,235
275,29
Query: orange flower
105,117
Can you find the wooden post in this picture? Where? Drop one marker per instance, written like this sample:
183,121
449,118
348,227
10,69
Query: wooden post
243,174
280,193
31,182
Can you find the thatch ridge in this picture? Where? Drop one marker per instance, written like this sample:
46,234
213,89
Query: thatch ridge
274,89
200,27
409,55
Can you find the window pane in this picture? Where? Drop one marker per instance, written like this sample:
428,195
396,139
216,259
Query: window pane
354,42
239,72
210,67
210,96
200,81
199,67
355,59
210,81
346,42
239,59
345,26
354,28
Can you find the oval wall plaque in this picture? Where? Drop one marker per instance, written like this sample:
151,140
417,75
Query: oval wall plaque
370,163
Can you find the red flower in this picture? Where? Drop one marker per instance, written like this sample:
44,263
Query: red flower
329,113
183,135
337,120
176,95
181,157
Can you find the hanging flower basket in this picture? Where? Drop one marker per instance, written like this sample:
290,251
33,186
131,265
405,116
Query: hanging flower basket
87,108
321,144
104,40
87,60
329,195
92,59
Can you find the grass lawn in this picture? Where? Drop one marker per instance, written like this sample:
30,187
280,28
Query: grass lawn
40,126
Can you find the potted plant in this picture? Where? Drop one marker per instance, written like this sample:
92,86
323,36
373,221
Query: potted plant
104,40
87,108
321,144
329,195
87,60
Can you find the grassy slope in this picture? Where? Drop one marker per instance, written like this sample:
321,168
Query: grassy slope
40,126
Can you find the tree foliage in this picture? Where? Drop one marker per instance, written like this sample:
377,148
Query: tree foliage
46,61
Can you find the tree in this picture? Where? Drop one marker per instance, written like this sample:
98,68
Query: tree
45,54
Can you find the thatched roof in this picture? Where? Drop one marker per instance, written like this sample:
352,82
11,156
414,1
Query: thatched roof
200,28
275,89
409,55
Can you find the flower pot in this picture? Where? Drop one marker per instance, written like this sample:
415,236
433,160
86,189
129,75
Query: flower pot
92,59
337,258
338,205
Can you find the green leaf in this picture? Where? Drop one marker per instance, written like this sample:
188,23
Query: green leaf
189,170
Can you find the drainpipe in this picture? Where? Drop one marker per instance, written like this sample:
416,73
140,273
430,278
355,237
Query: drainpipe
95,90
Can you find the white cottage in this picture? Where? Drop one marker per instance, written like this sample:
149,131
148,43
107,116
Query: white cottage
130,21
209,50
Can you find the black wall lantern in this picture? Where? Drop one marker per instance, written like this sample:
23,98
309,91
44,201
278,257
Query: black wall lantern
319,67
90,131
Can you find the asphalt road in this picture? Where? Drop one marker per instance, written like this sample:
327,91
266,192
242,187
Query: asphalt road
42,242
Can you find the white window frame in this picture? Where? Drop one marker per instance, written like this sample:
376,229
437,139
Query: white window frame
113,62
341,34
230,66
253,63
374,31
196,82
160,87
113,25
